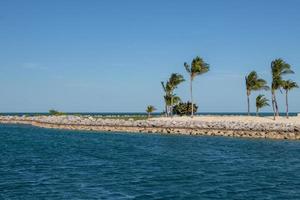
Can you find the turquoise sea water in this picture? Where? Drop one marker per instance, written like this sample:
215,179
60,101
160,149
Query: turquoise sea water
40,163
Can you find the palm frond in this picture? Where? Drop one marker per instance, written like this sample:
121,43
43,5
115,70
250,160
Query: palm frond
175,80
150,109
279,68
163,86
253,82
198,66
289,85
187,68
261,101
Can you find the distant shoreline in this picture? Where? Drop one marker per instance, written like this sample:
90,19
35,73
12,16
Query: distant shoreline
231,126
156,114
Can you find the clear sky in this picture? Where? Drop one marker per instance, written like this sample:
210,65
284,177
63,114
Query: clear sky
109,55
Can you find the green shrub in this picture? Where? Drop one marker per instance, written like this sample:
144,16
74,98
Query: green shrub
184,108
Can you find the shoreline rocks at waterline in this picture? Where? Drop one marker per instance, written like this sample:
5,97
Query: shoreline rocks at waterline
232,126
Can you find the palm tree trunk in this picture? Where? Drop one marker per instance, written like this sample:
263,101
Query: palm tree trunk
276,106
273,104
148,115
191,90
248,102
256,112
172,105
287,104
166,110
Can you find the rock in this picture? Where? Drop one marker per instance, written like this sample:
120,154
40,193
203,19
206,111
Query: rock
297,136
291,135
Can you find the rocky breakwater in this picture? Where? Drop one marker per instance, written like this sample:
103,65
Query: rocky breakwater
237,126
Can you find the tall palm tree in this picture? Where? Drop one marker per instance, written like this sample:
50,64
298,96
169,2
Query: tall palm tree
279,68
254,83
287,86
261,101
174,80
150,109
197,67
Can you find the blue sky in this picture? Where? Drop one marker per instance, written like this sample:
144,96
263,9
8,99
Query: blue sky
108,56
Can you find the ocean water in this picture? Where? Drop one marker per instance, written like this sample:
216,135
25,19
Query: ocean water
38,163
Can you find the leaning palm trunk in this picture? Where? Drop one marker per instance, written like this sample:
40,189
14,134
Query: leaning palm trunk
166,110
256,112
287,104
248,102
191,89
276,105
172,106
273,104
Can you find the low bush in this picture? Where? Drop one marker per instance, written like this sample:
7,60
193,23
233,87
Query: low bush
55,112
184,108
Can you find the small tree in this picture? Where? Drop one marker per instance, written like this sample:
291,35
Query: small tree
150,109
287,86
261,101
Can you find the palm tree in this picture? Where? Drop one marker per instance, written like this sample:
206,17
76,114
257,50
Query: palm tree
150,109
279,68
198,67
168,102
261,101
254,83
167,97
287,86
174,80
